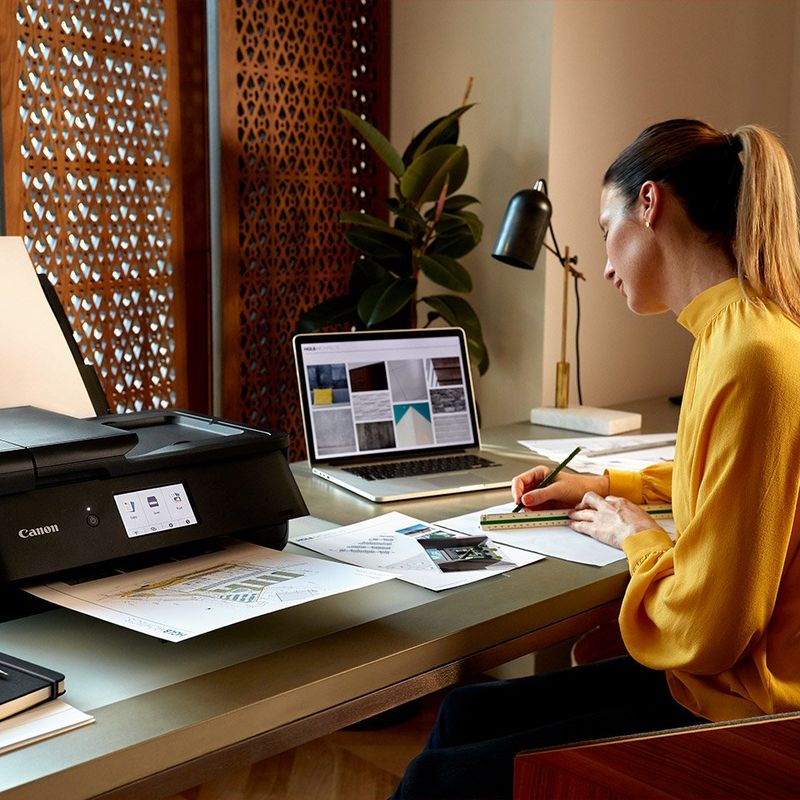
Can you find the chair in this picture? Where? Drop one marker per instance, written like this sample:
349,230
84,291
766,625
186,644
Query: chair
756,759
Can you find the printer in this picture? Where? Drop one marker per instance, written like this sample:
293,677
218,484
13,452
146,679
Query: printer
76,493
80,488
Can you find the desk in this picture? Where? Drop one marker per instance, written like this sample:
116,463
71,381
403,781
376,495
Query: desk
170,716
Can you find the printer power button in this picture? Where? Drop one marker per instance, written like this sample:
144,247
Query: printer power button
93,520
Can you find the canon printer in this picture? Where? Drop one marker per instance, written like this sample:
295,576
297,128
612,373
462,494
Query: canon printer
75,493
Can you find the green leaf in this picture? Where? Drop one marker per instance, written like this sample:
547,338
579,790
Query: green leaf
385,299
456,311
425,176
410,220
379,243
328,313
443,130
456,246
446,272
366,221
377,141
474,223
456,234
458,201
366,273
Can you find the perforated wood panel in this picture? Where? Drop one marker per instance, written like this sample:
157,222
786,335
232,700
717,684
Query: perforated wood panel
290,166
92,182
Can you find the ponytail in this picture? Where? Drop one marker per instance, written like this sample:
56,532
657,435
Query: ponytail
766,245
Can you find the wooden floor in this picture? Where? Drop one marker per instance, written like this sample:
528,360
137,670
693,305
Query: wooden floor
347,765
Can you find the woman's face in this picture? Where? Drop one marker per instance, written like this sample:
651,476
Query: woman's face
633,264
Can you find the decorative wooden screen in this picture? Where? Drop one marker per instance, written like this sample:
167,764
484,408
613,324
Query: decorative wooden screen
91,131
290,165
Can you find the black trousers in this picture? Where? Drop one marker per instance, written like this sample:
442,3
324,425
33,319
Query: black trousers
481,727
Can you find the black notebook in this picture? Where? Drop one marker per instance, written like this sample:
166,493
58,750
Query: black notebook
24,685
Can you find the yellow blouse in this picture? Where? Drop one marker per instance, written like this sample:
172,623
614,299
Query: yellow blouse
719,609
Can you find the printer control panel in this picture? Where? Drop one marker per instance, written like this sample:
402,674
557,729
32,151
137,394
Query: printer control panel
160,508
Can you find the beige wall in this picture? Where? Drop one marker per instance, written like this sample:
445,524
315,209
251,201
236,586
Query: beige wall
617,67
505,46
563,85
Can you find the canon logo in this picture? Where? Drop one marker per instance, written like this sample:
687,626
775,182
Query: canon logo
26,533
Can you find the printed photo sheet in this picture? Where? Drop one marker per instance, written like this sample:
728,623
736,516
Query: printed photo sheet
418,552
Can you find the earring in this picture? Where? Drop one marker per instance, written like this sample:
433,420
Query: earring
647,223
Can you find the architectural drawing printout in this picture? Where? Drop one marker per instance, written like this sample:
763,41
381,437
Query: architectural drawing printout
181,599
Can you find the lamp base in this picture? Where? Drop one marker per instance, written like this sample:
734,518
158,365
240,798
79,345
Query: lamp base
604,421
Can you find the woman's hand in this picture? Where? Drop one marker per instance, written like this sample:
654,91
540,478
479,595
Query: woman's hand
566,490
610,519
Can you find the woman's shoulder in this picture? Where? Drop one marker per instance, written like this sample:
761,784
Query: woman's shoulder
754,333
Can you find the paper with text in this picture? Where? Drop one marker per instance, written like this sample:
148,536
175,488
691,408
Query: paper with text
417,552
599,453
558,541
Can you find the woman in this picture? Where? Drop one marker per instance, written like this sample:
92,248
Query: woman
703,224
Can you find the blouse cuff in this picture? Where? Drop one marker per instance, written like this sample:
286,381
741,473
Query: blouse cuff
640,547
625,484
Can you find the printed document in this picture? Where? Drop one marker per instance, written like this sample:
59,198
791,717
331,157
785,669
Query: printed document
557,541
418,552
181,599
599,453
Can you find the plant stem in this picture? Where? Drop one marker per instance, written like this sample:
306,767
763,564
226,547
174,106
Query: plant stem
466,93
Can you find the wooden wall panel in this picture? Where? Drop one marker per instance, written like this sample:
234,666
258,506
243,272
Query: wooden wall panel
93,179
290,165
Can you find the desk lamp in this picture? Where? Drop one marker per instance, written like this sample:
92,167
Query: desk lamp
522,236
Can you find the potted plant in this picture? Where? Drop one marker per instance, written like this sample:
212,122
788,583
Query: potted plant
430,229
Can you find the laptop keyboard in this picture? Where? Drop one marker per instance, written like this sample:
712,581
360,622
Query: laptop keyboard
425,466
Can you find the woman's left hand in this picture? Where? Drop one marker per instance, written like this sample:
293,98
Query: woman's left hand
610,519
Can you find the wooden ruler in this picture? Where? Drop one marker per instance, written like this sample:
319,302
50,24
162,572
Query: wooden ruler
550,517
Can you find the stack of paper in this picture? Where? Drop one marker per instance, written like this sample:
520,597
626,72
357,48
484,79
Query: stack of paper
608,452
40,723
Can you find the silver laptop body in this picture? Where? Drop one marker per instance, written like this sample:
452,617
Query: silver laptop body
388,400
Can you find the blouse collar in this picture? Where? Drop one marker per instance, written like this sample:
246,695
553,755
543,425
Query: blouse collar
706,305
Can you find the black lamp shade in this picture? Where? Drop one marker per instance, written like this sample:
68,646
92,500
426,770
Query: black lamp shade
524,228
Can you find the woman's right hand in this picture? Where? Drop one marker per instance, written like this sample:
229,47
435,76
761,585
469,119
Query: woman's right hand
566,490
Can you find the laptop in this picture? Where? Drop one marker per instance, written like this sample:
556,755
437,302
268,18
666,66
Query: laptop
390,415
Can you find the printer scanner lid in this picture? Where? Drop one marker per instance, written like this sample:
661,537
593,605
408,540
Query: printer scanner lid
37,445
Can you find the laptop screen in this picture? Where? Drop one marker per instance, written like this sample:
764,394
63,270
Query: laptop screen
380,393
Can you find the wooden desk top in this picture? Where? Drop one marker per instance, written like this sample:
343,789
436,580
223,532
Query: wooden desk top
168,716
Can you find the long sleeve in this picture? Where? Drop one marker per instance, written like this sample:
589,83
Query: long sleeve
713,608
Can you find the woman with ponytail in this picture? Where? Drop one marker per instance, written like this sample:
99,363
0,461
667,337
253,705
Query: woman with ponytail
701,223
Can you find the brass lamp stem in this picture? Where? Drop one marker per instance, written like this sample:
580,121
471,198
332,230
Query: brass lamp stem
562,368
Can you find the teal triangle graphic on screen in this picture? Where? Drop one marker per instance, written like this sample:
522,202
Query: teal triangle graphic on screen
401,409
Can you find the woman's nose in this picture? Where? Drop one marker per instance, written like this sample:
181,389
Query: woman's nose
608,272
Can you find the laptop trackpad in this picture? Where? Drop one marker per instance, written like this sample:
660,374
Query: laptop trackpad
453,481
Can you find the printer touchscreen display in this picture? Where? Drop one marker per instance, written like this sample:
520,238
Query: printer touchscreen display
152,510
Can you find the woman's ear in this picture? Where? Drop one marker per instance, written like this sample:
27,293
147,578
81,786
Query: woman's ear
650,201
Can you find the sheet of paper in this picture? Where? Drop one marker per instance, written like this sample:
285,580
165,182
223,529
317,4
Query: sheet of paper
558,541
37,365
391,542
42,722
600,453
181,599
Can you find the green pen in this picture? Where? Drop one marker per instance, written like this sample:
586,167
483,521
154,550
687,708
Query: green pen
548,479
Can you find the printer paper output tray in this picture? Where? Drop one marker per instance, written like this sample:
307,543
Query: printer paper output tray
75,493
